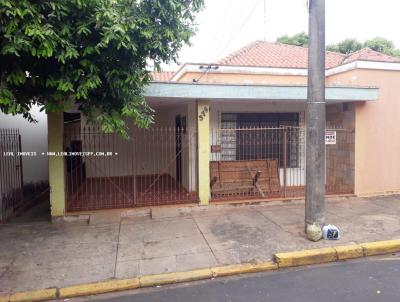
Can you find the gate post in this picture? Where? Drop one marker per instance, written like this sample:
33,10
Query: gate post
285,145
55,124
203,137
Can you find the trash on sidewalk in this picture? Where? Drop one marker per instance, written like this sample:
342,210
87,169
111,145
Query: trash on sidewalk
330,232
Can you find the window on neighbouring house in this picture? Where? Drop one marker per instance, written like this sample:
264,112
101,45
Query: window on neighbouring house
261,136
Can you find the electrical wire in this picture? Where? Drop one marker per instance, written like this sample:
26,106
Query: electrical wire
240,27
232,34
216,33
265,20
229,29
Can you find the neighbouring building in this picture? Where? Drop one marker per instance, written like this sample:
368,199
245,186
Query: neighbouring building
234,129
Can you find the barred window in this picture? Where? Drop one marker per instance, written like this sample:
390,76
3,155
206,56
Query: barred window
262,136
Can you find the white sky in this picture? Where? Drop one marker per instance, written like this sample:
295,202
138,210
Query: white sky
222,25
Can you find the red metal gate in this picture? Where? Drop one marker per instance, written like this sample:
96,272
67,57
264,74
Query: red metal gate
11,195
105,171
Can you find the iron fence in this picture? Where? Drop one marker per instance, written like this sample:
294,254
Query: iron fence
11,178
270,163
153,166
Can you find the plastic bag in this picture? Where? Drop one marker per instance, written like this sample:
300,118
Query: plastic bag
330,232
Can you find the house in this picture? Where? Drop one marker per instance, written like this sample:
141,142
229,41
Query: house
234,129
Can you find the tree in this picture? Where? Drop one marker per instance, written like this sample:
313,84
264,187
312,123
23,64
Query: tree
382,45
346,46
93,53
300,39
379,44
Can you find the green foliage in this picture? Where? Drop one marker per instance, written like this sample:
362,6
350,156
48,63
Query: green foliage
378,44
94,53
382,45
346,46
300,39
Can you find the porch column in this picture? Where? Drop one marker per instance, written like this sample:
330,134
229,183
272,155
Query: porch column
203,146
55,123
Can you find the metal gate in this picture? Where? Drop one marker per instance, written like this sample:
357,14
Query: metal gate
269,162
11,180
155,166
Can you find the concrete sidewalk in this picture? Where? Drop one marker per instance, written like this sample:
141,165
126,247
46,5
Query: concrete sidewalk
41,255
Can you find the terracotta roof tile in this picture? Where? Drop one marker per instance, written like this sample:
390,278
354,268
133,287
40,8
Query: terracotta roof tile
367,54
273,54
164,76
278,55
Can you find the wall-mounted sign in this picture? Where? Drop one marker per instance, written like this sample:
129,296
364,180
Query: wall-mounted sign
330,137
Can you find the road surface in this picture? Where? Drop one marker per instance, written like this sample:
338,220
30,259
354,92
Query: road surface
368,279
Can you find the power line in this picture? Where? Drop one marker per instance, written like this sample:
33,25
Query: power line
229,29
205,69
216,32
240,27
265,21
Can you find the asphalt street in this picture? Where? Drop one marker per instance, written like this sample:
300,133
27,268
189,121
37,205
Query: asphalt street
368,279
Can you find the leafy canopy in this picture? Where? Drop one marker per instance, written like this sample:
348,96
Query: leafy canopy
346,46
93,53
382,45
300,39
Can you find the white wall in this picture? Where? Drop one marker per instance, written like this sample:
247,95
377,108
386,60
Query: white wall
33,139
151,152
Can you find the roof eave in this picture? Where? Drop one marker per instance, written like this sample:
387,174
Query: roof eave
194,91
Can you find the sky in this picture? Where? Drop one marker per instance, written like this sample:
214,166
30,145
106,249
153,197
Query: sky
225,26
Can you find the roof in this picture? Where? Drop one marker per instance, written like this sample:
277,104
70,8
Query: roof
367,54
274,54
279,55
164,76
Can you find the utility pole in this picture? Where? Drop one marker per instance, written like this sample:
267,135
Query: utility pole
315,122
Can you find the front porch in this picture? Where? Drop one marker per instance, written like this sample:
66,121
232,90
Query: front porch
154,166
218,147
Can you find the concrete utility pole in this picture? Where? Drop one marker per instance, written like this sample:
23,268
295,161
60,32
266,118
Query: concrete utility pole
315,122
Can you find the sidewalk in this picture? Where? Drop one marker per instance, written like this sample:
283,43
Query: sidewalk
41,255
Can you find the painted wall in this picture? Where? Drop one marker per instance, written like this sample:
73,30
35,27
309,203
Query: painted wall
377,143
243,78
146,152
33,139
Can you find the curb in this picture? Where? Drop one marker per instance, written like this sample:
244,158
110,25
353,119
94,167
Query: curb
306,257
98,288
282,260
37,295
170,278
380,247
243,268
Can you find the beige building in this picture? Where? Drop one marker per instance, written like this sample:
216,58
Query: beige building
234,129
